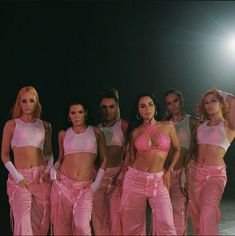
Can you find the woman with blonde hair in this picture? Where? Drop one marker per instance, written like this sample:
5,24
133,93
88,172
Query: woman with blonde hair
207,171
28,184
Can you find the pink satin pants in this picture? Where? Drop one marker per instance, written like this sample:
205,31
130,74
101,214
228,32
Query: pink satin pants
206,187
71,206
106,204
179,204
30,207
137,188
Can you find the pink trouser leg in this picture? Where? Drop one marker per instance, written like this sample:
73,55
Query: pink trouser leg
115,202
101,219
206,187
179,204
30,207
71,206
138,187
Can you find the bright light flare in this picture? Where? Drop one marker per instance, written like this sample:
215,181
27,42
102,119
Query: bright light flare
230,45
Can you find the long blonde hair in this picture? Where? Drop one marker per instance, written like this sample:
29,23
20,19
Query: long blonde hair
200,108
17,111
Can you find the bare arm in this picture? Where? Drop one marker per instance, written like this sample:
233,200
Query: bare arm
47,149
6,140
230,99
175,144
101,147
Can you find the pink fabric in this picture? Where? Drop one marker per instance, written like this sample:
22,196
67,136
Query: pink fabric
30,207
139,186
106,204
71,206
206,187
179,204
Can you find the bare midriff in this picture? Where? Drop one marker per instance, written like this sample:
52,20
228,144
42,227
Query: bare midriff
78,166
210,155
150,161
114,155
28,157
181,161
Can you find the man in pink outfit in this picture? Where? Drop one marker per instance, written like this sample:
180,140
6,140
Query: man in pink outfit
185,127
105,217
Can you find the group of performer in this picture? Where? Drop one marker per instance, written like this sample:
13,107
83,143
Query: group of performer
105,174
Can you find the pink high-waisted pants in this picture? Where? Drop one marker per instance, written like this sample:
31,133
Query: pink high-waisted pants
179,204
71,206
105,205
137,188
30,207
206,187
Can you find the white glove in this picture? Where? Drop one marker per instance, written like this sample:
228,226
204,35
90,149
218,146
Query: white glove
95,185
14,173
53,170
49,163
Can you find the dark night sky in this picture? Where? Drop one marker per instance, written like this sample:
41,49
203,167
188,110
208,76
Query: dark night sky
67,48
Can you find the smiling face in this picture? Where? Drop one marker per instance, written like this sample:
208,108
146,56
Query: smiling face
146,108
174,104
27,103
77,115
109,109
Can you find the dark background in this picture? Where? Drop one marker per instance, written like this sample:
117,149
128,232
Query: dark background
67,48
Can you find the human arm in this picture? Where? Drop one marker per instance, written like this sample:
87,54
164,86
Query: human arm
54,174
6,145
230,100
175,145
103,156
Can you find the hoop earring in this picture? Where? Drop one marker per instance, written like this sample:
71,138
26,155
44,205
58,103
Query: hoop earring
138,117
69,120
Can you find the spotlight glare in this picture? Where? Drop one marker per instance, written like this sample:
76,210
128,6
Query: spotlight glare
230,43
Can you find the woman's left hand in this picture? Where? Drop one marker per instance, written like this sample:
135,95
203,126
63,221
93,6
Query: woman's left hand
167,179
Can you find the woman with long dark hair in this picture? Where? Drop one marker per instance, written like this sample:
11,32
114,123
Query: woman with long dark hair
149,143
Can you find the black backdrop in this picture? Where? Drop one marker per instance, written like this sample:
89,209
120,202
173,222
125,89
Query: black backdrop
67,48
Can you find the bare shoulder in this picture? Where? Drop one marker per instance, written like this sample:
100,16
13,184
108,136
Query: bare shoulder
10,124
61,134
166,124
124,124
46,124
98,132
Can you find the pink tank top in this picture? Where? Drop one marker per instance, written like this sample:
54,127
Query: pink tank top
83,142
145,141
213,135
28,134
113,135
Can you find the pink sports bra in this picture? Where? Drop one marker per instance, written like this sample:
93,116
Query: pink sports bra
28,134
213,135
83,142
146,142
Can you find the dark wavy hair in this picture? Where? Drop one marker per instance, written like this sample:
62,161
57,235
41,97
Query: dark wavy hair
134,122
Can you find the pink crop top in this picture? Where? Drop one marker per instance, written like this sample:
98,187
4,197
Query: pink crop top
113,135
145,141
83,142
213,135
28,134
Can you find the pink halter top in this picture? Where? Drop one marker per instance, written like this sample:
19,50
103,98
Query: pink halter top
151,139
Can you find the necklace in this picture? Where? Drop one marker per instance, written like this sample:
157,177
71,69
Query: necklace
179,118
108,124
